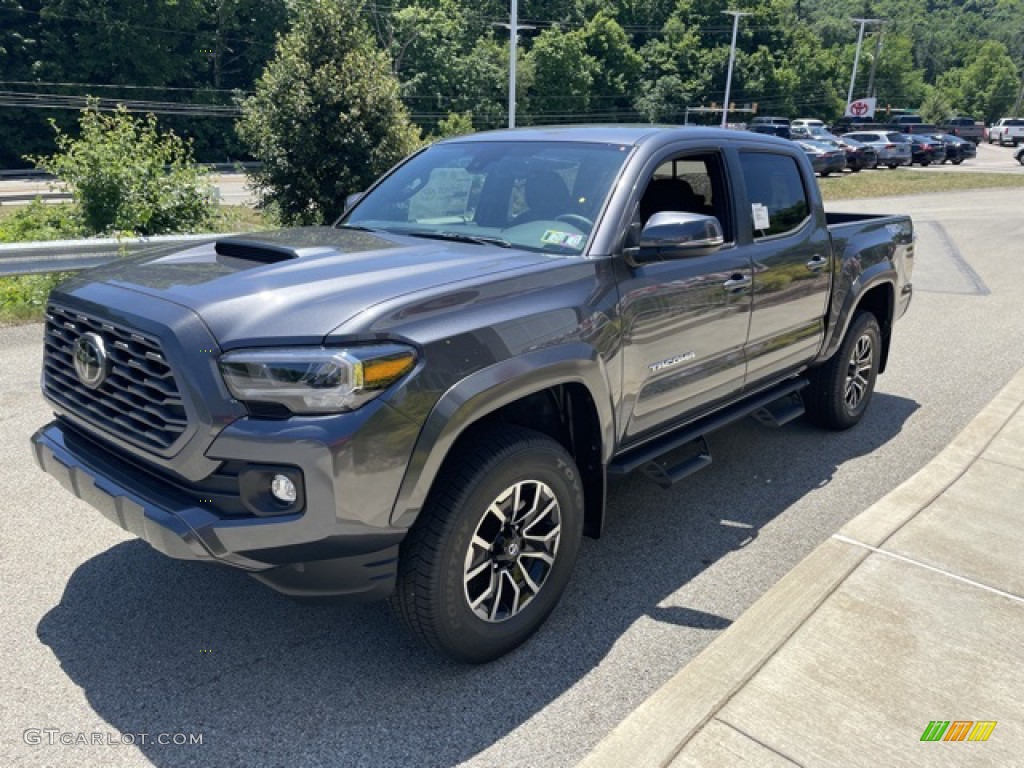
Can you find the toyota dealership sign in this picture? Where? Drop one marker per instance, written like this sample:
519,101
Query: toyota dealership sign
861,108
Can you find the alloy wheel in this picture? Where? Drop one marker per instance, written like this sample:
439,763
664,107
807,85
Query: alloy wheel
512,551
858,372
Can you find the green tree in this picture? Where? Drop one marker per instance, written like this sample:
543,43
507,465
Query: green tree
987,87
481,78
563,76
326,118
617,71
127,176
455,124
935,108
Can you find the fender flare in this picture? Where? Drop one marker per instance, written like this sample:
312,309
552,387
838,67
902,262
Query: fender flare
877,275
486,391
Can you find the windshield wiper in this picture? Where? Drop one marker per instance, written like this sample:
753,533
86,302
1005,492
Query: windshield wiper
359,227
460,237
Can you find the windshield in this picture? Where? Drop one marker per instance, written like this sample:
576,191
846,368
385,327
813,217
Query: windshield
541,196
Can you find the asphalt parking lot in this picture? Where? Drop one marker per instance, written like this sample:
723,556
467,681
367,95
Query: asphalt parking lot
101,635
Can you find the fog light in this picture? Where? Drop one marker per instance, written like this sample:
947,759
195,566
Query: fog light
283,489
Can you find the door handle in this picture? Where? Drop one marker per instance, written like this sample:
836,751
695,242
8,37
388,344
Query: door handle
737,283
817,263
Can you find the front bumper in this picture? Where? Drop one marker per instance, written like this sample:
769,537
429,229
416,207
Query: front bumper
309,555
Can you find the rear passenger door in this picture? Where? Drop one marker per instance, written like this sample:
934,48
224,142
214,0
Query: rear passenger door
792,265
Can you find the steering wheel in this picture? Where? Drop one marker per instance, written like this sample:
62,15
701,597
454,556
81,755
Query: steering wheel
582,222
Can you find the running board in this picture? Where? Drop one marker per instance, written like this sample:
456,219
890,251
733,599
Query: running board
778,405
781,411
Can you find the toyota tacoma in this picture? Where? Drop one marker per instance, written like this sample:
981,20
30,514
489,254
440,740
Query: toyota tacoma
424,401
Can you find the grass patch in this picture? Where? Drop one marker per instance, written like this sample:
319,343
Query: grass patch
901,181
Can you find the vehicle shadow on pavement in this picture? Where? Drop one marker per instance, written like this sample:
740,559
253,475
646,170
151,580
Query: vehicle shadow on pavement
160,646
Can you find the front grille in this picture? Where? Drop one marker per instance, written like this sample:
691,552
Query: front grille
139,400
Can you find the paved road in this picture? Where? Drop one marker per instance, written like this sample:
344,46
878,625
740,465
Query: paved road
990,159
101,634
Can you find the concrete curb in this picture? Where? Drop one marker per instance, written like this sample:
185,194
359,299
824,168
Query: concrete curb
655,733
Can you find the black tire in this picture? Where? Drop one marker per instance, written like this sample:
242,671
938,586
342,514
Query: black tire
958,161
829,401
893,166
432,595
825,173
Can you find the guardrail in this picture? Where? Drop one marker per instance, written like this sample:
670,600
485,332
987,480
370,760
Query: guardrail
36,173
73,255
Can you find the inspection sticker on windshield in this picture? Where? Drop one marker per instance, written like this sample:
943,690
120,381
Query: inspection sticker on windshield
554,237
760,212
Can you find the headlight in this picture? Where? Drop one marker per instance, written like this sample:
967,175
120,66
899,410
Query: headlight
316,379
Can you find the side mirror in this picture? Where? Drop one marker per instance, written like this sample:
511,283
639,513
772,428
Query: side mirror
676,235
351,200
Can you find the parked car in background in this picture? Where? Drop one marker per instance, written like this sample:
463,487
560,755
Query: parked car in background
770,120
957,149
892,147
807,122
901,121
920,129
858,155
1008,130
964,128
814,132
826,156
770,129
925,150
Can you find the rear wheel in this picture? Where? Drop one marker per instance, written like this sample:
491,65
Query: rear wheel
893,166
958,161
841,389
493,549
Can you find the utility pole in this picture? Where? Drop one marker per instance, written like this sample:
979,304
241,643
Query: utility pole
513,28
874,61
856,58
1020,98
732,58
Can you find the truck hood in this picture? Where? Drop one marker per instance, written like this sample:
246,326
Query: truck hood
296,285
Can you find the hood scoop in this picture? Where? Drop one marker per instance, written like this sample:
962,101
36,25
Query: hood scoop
255,251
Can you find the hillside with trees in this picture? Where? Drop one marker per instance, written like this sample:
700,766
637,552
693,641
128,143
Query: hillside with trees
194,62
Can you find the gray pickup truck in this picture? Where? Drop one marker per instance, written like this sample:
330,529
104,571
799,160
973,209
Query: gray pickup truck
424,402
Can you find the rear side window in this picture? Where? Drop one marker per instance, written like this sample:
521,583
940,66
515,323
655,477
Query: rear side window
898,137
775,191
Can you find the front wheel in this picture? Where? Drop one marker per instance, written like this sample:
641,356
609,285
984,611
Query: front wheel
841,389
893,166
493,549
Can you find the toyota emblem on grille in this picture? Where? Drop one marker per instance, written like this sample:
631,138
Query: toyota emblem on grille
90,360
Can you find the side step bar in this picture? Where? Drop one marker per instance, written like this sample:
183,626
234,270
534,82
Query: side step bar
775,406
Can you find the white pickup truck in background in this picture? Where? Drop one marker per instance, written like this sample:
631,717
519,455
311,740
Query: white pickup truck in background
1008,130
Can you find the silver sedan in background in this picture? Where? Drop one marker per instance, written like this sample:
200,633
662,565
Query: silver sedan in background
892,147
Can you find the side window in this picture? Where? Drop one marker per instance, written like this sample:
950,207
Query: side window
688,184
775,191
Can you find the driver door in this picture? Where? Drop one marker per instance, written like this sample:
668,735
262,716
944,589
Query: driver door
685,320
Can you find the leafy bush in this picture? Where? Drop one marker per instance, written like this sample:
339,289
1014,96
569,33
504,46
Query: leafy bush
126,176
41,221
23,298
326,118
